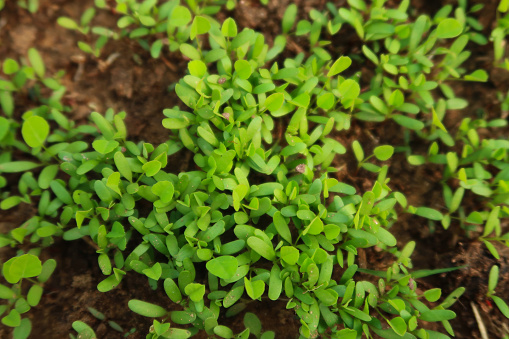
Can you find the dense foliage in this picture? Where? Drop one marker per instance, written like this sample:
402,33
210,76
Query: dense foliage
264,214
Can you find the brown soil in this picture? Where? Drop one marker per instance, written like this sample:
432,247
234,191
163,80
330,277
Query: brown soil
138,84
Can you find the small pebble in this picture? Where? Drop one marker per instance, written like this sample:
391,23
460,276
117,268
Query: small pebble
300,168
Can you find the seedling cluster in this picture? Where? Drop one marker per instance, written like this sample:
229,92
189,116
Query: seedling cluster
263,214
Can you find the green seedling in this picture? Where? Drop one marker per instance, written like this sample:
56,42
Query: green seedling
31,5
492,284
25,268
382,153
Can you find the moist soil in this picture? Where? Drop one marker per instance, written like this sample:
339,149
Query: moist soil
126,78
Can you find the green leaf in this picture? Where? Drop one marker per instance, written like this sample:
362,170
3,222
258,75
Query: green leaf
386,237
289,254
253,324
262,248
198,69
223,331
302,100
146,20
104,263
358,314
151,168
433,294
383,152
104,125
282,227
232,296
36,62
47,270
502,306
429,213
35,130
315,227
172,290
10,202
437,121
243,69
229,28
25,266
274,101
146,309
275,283
4,123
339,66
349,91
84,331
47,175
183,317
189,51
327,297
492,222
34,295
195,291
397,98
105,146
223,267
289,18
492,249
61,192
23,330
6,292
437,315
10,66
180,16
13,319
449,28
479,75
242,38
370,55
238,194
398,324
325,101
108,284
357,150
255,288
408,122
200,25
153,272
493,278
368,200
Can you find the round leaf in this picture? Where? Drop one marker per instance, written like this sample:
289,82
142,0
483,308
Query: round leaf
35,130
449,28
25,266
290,254
180,16
151,168
223,267
243,69
383,152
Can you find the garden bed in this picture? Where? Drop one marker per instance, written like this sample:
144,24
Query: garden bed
126,78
